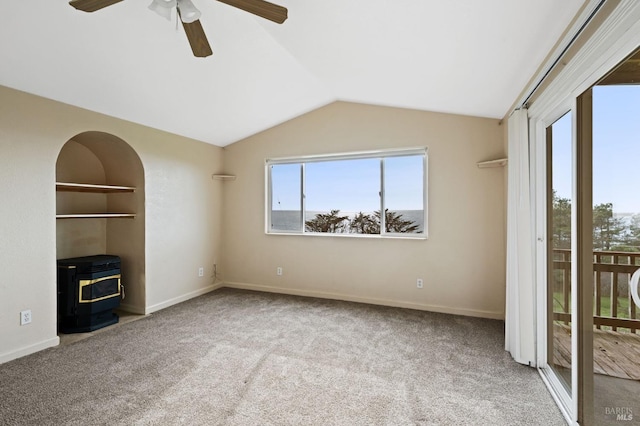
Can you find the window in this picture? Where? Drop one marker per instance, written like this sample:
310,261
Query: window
345,194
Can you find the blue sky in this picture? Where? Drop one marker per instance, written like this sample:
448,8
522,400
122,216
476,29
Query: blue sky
616,149
350,185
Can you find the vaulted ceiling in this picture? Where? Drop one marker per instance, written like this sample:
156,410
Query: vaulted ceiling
462,56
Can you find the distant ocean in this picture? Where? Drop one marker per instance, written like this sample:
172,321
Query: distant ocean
289,220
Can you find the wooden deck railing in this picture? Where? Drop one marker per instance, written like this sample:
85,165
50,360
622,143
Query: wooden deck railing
613,305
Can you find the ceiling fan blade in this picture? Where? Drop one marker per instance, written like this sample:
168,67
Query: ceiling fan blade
92,5
197,39
262,8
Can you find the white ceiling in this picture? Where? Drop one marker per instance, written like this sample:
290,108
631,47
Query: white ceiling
459,56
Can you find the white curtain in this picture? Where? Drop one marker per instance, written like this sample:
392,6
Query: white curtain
520,298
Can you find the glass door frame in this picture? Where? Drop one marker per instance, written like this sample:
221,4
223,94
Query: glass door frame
607,46
567,401
575,404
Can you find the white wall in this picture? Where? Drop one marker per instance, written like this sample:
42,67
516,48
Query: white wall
463,261
183,212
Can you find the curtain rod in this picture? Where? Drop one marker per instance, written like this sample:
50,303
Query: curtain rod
523,104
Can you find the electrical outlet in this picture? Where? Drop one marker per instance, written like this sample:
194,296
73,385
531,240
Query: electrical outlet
419,283
279,270
25,317
201,271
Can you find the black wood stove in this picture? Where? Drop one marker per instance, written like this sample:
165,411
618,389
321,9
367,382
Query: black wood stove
89,288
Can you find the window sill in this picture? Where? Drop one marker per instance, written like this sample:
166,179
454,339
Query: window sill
358,236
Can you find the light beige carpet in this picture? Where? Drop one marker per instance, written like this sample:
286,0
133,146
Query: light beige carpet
246,358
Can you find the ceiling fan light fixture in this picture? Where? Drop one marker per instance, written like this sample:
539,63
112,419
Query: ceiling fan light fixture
163,7
190,16
188,12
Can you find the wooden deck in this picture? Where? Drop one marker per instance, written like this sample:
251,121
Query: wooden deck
615,354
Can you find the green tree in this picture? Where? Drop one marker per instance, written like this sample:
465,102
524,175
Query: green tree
330,222
561,218
608,230
361,223
393,222
364,224
633,236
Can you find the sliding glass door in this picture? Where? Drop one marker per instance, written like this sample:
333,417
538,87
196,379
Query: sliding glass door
592,251
613,109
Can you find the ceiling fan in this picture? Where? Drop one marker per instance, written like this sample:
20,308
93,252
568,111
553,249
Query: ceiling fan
189,16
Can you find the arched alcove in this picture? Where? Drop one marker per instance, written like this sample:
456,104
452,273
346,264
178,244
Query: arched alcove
100,207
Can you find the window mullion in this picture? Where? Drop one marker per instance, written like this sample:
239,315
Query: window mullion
269,201
302,197
382,212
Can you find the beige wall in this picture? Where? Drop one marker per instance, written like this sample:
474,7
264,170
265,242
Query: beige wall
76,163
463,261
182,206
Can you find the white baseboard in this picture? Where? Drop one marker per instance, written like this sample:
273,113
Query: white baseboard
28,350
158,306
499,315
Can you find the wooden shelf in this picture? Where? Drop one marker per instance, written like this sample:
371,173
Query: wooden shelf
500,162
95,216
93,188
89,187
223,177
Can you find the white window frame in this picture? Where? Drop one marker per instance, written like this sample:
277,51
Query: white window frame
379,154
